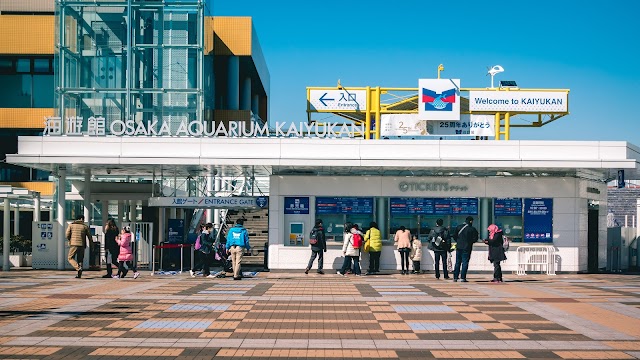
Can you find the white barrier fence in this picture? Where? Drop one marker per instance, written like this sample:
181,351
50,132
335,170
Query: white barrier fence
536,258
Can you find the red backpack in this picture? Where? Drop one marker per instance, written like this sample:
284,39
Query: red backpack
357,240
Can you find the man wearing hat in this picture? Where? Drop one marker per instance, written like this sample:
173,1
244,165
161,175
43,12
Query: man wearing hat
237,244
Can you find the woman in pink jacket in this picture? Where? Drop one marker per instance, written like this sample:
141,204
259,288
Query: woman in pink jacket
126,254
403,242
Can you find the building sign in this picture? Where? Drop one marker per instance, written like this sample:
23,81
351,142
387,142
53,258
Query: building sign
538,220
73,126
472,125
430,186
433,206
296,205
338,100
211,202
507,207
344,205
519,101
176,230
439,99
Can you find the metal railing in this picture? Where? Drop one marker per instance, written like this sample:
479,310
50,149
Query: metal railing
536,258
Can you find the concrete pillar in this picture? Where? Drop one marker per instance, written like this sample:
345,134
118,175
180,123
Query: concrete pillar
87,197
233,83
217,185
637,232
6,236
381,217
485,217
36,207
162,224
62,224
120,213
173,213
16,220
255,104
245,96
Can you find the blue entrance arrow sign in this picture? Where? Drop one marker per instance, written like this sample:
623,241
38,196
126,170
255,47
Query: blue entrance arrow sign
322,99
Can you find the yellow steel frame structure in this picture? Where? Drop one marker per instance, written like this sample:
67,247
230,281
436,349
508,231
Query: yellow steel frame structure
409,105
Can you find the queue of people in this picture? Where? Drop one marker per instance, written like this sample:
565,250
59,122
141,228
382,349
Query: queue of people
441,240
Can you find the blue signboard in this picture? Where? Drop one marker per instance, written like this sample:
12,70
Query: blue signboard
296,205
538,220
344,205
507,207
406,206
176,230
456,206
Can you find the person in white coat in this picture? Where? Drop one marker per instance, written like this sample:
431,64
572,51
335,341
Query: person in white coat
350,252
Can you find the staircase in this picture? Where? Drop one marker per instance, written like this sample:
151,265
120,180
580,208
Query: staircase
257,224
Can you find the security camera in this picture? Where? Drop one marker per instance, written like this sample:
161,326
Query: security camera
108,171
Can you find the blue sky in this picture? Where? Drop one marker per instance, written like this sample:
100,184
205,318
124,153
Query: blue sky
591,48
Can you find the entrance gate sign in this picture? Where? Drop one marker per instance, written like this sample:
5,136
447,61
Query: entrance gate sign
338,100
520,101
241,202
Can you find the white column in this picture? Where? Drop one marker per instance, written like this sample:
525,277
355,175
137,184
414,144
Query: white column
217,185
36,207
62,224
485,213
87,197
233,83
6,235
245,97
209,192
162,224
173,213
16,220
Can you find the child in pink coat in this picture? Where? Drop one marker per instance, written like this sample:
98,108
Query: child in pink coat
126,254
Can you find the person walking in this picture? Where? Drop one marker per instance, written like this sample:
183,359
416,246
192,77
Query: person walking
465,235
237,244
403,243
126,254
350,250
76,234
496,251
373,240
206,250
111,248
318,244
441,244
416,254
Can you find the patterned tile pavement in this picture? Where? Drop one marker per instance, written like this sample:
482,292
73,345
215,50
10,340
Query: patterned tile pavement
277,315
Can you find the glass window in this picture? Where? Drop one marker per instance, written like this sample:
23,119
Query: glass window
15,91
23,65
6,65
41,66
43,93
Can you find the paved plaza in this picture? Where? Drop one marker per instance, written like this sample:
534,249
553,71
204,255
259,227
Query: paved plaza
277,315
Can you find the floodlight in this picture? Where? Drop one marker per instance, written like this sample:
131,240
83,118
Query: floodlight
493,71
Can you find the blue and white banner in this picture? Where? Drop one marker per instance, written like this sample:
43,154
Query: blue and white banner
439,99
227,202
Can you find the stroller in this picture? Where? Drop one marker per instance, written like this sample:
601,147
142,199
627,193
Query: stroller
223,258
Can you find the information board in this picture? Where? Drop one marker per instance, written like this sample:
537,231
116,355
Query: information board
344,205
507,207
434,206
538,220
405,206
176,231
296,205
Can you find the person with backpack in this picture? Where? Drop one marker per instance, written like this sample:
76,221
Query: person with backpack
465,235
373,243
351,249
496,251
318,247
237,244
416,254
199,257
440,243
403,243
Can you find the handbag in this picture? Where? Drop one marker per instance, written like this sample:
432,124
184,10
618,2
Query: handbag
449,263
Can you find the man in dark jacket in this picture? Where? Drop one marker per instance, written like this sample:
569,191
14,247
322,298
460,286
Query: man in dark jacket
318,247
465,235
441,244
